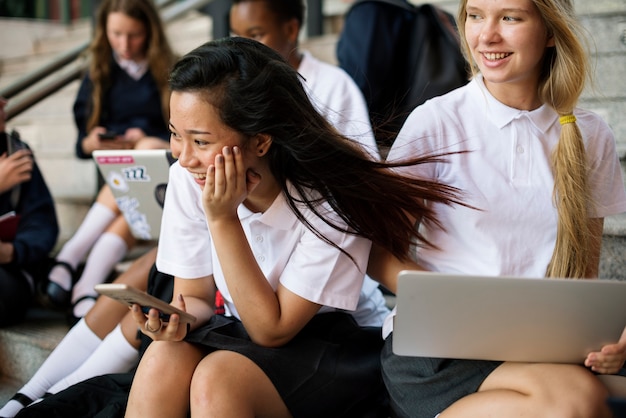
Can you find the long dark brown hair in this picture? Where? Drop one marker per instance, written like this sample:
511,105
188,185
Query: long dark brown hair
257,92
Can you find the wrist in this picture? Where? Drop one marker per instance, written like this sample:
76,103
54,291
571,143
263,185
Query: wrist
7,252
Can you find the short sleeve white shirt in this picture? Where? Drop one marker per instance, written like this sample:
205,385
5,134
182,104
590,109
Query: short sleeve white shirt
506,174
286,251
337,97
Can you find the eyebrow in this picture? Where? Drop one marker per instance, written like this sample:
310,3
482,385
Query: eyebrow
507,10
191,131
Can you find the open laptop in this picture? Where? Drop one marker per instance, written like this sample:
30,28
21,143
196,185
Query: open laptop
506,318
138,179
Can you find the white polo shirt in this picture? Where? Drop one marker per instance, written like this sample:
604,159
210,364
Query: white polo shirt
506,175
337,97
286,251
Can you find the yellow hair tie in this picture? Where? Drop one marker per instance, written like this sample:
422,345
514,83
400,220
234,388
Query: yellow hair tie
567,119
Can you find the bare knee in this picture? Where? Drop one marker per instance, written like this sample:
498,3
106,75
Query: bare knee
229,384
586,398
572,392
165,359
212,383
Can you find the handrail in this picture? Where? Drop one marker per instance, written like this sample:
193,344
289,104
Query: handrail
18,105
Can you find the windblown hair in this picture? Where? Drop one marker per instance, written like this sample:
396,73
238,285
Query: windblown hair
159,54
284,10
565,71
255,92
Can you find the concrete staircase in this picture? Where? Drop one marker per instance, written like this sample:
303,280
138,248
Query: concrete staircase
48,127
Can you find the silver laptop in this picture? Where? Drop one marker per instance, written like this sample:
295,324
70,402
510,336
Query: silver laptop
138,179
506,318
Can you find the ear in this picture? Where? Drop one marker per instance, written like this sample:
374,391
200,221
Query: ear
292,29
262,144
550,41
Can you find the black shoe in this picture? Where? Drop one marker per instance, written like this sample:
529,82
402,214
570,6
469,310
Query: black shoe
53,296
70,317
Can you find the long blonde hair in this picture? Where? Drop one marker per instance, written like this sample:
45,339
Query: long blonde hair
159,54
563,77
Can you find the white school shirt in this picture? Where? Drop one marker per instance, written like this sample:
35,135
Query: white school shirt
337,97
286,251
506,174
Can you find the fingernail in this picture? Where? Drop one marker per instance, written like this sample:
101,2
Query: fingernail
226,151
180,297
236,150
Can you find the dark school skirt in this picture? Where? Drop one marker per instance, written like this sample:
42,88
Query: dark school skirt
421,387
330,369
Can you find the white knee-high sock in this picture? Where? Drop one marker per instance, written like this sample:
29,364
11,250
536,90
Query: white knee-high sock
77,345
98,218
114,355
106,253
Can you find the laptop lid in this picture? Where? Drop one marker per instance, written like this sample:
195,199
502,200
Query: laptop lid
138,179
506,318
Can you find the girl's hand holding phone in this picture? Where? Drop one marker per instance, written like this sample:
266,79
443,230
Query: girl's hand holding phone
159,327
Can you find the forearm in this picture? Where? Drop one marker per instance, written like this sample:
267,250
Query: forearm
256,301
198,296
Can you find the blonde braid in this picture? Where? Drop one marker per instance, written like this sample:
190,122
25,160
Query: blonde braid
565,73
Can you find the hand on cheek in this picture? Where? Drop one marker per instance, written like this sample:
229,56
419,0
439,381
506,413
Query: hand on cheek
226,184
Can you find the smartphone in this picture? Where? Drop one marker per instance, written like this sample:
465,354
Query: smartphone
14,142
129,295
108,135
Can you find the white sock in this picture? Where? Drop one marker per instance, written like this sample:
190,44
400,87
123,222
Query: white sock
69,354
105,254
11,409
114,355
98,218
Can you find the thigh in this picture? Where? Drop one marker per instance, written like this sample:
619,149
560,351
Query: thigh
567,382
538,390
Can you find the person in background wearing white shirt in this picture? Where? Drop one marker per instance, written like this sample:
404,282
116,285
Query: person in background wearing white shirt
277,24
543,174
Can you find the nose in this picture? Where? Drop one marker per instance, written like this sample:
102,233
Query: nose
186,155
125,42
489,32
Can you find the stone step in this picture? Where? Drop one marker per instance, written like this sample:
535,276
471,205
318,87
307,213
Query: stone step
24,347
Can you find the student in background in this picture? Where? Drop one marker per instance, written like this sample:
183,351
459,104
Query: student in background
277,24
124,93
27,238
542,173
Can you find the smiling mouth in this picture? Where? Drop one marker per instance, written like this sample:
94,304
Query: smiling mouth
198,176
495,56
